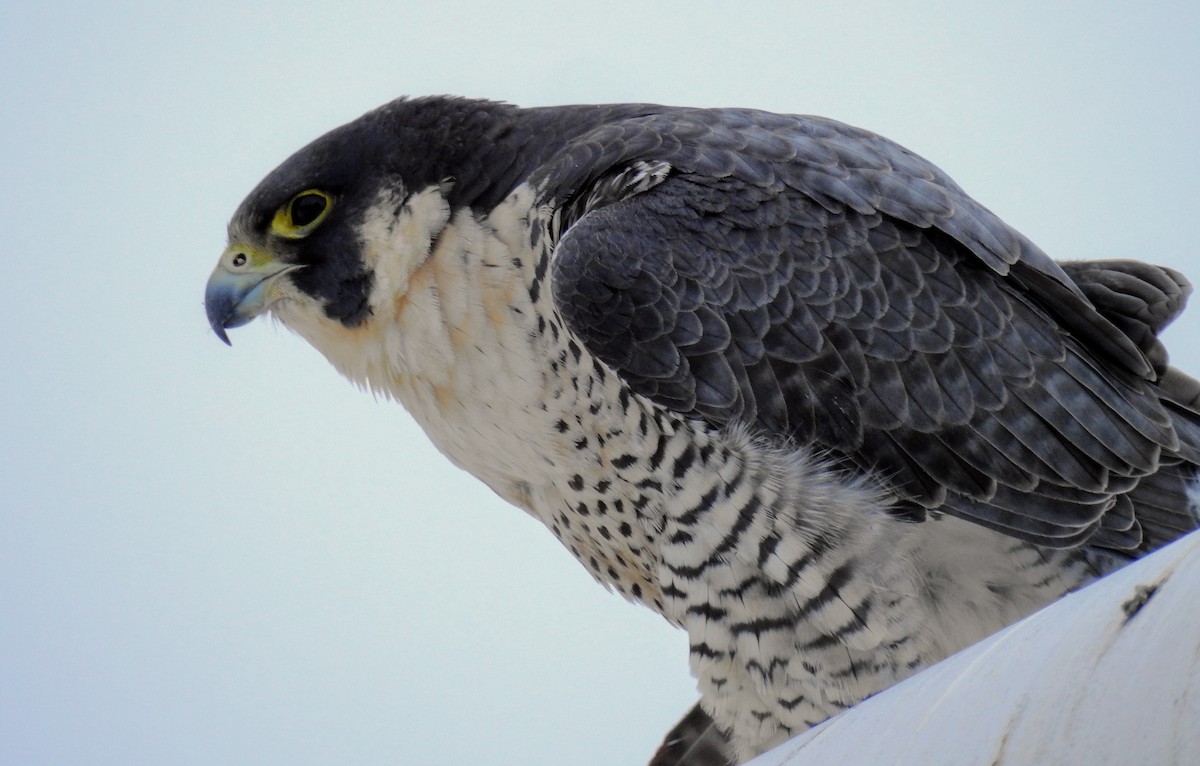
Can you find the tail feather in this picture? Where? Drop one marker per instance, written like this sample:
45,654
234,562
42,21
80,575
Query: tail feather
1141,299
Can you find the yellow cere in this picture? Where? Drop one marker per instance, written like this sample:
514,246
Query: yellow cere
258,258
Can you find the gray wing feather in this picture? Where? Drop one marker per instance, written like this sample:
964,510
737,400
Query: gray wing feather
831,288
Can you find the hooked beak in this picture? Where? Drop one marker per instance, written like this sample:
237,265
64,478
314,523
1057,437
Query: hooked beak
240,288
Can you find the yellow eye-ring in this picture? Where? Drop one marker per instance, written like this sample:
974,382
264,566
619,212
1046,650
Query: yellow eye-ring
302,214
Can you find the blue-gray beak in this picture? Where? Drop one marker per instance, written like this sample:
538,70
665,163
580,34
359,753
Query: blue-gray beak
240,288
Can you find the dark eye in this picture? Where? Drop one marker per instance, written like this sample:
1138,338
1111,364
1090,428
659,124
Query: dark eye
307,207
302,214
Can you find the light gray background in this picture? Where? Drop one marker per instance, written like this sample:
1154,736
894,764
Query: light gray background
215,556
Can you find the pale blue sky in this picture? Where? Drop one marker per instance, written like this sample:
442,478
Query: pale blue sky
230,556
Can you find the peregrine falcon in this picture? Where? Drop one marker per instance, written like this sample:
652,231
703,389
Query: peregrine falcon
774,377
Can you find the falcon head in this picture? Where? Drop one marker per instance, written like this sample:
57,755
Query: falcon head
295,243
305,244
